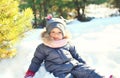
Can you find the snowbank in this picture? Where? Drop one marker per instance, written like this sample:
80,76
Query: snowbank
99,45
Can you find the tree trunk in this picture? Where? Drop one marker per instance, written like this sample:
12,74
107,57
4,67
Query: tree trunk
34,12
79,16
83,9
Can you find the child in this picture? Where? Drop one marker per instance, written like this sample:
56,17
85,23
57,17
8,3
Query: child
59,54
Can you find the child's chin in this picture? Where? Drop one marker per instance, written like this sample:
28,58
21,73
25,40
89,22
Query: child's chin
57,39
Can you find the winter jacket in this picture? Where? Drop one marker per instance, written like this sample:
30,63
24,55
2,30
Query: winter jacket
58,60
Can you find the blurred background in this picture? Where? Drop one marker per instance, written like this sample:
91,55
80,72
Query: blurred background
20,16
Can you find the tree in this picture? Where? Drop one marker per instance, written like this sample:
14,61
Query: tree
115,3
39,8
58,8
13,24
80,4
80,7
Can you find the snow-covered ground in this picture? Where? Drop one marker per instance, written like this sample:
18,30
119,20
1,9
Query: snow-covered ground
100,11
97,41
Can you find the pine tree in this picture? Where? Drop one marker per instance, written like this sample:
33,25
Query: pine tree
13,24
116,4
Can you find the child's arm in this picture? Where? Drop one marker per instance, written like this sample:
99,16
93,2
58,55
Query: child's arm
35,63
76,55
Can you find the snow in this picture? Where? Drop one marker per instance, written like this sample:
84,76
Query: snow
100,11
97,41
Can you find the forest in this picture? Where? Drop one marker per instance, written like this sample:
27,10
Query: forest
20,16
63,8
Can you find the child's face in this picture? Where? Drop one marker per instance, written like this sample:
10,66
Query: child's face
56,34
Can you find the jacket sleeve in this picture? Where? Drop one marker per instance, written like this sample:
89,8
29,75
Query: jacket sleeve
75,54
38,58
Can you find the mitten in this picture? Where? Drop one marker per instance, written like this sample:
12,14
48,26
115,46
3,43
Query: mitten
29,74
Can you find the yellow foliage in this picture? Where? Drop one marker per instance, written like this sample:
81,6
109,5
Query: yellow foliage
7,53
8,8
13,24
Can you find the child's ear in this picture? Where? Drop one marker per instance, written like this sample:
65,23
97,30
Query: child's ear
63,19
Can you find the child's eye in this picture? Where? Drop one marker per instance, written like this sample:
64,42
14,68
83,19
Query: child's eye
52,32
59,32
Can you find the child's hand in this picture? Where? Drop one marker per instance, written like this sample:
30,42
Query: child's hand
29,74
